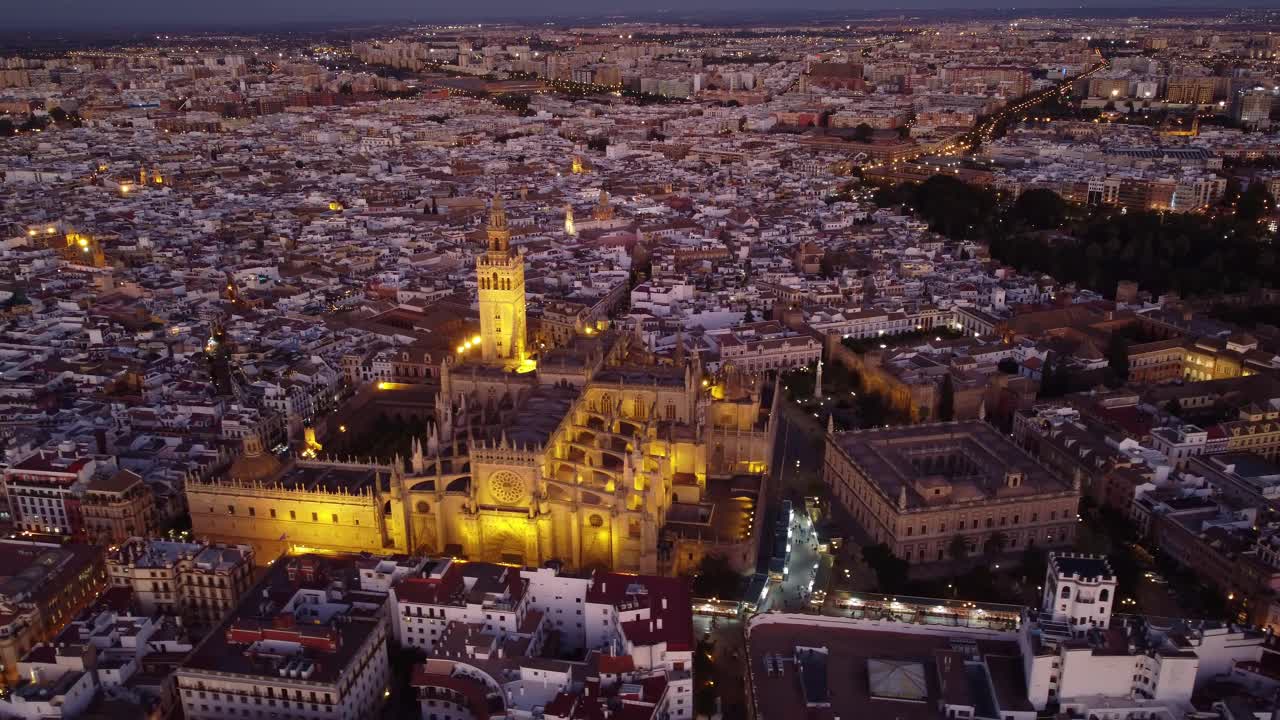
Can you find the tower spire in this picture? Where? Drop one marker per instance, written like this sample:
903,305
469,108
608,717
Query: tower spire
569,227
603,210
499,235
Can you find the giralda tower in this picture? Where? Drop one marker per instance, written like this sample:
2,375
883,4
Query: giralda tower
500,279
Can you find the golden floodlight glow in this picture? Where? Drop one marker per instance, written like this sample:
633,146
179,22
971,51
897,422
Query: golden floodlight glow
49,230
462,349
475,340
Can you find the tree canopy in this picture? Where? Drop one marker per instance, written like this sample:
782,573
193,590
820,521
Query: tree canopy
891,571
1189,253
1040,209
716,578
1055,377
953,207
1254,203
1117,360
947,400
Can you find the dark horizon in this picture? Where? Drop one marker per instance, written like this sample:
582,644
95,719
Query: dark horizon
244,15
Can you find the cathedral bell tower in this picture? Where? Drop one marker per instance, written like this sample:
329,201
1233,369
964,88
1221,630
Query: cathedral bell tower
603,211
218,352
500,283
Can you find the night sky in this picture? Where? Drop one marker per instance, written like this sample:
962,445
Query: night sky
134,14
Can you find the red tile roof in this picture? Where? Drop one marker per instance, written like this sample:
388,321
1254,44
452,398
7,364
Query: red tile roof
616,664
668,600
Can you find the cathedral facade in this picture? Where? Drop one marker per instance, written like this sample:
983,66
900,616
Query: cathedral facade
583,455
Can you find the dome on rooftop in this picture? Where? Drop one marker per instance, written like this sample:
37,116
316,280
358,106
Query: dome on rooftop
255,464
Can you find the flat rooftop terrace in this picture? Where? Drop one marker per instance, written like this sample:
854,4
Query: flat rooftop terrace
355,614
317,476
781,697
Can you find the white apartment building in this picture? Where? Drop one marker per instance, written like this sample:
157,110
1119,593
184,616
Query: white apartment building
763,346
43,488
52,688
874,322
605,612
1076,652
1079,592
631,629
103,650
494,598
1180,443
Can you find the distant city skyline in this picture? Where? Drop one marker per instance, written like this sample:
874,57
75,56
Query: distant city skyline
86,14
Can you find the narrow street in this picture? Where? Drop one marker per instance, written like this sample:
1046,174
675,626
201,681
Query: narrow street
797,454
728,655
793,592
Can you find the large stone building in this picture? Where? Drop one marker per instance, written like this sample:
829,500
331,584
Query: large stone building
309,642
42,588
768,346
199,582
586,454
117,507
918,488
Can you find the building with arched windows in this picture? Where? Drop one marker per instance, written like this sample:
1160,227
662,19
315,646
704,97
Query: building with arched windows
943,492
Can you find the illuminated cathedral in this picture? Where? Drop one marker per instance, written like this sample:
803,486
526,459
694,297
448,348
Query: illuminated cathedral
590,455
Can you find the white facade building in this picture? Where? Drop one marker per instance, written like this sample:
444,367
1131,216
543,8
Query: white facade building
468,616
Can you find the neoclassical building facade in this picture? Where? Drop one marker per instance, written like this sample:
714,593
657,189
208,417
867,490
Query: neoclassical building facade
581,455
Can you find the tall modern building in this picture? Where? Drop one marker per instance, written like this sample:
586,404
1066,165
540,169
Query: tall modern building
1252,108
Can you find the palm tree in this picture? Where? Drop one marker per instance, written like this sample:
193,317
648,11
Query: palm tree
996,543
958,549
